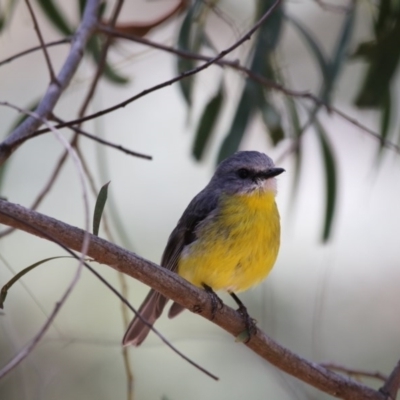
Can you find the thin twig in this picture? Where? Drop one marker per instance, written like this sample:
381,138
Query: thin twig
169,82
33,49
178,289
83,250
22,354
102,61
44,191
392,385
73,156
29,291
121,278
235,65
223,16
42,44
332,7
354,372
85,246
42,232
125,351
102,141
54,91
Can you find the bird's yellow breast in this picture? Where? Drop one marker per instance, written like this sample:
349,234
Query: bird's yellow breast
237,246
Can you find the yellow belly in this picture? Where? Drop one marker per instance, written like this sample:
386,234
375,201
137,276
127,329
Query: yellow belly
238,247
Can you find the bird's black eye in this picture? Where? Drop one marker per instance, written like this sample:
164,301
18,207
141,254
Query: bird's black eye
243,173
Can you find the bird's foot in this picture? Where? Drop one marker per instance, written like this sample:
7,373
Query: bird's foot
249,323
216,302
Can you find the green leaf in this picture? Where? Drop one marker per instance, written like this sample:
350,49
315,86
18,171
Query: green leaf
271,119
269,32
265,43
207,123
329,68
339,54
119,221
243,114
102,7
82,4
190,38
6,13
314,46
94,48
7,286
384,17
55,16
386,112
383,58
113,76
330,179
297,132
99,208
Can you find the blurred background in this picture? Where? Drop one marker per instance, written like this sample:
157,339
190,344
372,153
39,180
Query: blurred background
332,300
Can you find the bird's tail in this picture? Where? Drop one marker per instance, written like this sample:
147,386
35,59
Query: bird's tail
150,311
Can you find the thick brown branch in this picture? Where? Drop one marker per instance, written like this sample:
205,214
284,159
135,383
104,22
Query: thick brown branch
194,299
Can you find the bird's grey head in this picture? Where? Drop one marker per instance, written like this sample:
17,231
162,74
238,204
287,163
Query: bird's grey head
244,172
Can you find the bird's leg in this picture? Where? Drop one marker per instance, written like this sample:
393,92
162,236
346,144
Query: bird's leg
215,300
249,322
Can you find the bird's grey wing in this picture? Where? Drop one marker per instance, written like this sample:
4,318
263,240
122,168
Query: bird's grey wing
183,234
199,209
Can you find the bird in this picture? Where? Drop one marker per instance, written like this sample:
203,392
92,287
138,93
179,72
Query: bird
227,239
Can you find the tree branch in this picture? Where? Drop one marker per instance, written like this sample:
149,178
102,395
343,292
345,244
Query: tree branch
33,49
42,43
55,89
102,60
391,386
196,300
209,62
103,141
354,372
267,83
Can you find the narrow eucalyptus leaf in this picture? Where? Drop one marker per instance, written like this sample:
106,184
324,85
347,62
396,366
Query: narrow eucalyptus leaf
207,123
7,286
330,179
313,44
244,111
190,38
339,54
109,72
386,112
6,12
55,16
99,208
272,120
296,133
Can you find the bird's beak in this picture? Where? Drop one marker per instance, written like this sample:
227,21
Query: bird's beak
272,172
